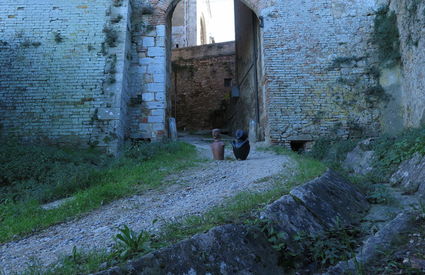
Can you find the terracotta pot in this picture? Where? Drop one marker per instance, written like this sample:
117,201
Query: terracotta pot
217,147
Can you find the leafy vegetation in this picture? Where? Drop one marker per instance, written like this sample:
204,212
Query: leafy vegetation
332,151
379,194
387,37
391,151
129,242
92,182
333,245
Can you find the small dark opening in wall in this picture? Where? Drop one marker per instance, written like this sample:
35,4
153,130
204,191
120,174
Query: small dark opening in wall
298,145
227,82
177,46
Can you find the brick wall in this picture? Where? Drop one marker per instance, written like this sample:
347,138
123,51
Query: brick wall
59,80
199,95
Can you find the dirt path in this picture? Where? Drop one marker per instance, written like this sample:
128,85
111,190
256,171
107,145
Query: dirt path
195,191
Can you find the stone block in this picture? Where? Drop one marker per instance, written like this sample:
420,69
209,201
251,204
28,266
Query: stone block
157,69
159,78
148,96
148,42
154,105
158,126
160,30
160,96
156,119
158,112
155,87
156,52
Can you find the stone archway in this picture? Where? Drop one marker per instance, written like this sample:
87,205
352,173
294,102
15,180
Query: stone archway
154,69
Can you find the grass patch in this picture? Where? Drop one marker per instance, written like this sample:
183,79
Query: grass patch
242,208
143,167
391,151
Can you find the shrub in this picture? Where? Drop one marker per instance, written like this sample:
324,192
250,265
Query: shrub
390,151
332,151
129,242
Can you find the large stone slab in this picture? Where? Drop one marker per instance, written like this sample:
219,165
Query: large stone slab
291,217
410,175
228,249
332,199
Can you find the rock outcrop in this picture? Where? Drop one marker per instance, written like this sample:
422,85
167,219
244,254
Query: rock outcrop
360,159
411,175
376,244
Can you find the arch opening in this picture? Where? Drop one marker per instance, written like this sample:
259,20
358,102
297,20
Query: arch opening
214,85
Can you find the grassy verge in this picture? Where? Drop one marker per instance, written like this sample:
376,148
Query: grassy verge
241,208
141,169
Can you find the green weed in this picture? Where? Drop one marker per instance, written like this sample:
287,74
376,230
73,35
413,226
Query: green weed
328,248
129,242
391,151
332,151
379,194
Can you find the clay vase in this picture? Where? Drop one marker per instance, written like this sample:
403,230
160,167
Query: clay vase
241,145
217,147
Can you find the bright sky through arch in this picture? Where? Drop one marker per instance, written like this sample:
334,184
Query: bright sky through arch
223,20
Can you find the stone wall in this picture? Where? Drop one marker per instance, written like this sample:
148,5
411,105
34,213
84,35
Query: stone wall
71,71
61,73
411,24
317,70
202,79
147,73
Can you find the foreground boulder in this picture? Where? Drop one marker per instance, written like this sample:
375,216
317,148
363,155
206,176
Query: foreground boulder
226,249
360,159
410,176
332,199
239,249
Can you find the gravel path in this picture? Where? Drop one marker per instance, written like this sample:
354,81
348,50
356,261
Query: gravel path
195,191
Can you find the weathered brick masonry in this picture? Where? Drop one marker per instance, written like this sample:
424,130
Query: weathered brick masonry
60,80
316,73
201,85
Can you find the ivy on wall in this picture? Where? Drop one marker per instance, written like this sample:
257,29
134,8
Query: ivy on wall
386,37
